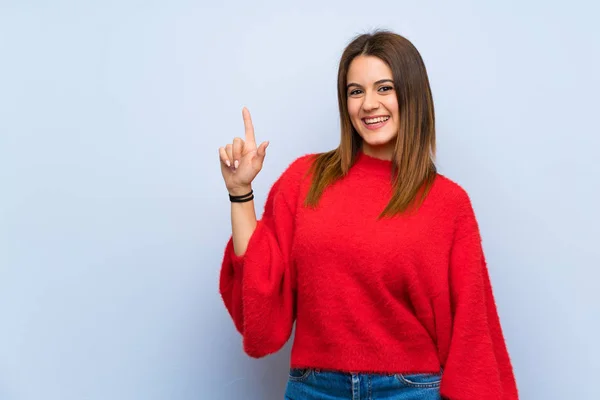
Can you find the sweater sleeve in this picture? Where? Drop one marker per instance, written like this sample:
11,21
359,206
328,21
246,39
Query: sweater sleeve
478,364
257,287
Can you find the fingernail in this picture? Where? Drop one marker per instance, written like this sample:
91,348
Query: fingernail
228,163
236,164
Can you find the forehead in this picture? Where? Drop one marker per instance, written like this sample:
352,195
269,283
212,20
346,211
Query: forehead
365,69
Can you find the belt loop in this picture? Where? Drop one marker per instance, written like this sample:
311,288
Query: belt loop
355,387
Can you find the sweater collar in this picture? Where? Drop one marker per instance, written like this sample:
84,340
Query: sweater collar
371,164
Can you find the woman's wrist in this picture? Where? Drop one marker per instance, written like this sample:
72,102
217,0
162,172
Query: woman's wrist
240,191
241,194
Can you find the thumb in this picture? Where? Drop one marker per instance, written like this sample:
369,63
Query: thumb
262,149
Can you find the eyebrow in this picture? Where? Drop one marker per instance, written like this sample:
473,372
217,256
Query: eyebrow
376,83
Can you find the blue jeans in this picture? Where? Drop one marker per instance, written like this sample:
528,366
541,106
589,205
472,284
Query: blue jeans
314,384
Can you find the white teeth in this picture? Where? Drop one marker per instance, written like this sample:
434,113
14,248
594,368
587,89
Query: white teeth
376,120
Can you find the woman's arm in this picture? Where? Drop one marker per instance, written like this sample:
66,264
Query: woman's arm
243,221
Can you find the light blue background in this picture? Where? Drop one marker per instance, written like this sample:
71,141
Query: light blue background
114,215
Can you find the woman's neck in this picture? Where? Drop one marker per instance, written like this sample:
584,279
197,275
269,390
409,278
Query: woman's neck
382,152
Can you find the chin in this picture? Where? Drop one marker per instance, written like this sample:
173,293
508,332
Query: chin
377,141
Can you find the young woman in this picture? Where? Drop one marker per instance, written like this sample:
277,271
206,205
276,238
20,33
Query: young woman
374,255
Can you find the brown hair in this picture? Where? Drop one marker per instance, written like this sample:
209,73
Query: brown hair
413,170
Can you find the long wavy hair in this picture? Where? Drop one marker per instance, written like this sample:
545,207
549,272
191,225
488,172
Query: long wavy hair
413,169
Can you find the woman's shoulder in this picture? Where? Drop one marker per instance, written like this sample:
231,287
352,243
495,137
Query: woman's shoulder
303,162
450,192
298,168
288,182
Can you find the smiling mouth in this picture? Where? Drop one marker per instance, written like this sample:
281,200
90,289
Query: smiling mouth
375,123
376,120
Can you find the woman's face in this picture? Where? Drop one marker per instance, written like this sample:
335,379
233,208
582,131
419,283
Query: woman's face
373,106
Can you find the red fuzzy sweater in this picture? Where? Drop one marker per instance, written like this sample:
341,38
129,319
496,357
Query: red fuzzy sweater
401,295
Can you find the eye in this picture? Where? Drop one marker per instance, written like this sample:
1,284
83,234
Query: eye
354,92
386,88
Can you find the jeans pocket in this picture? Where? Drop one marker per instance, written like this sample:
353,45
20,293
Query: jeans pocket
420,380
299,374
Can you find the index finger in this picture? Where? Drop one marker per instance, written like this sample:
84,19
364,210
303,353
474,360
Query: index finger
248,126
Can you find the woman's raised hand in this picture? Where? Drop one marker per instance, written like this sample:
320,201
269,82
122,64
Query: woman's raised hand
241,160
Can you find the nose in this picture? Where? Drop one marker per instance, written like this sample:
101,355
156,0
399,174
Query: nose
370,102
